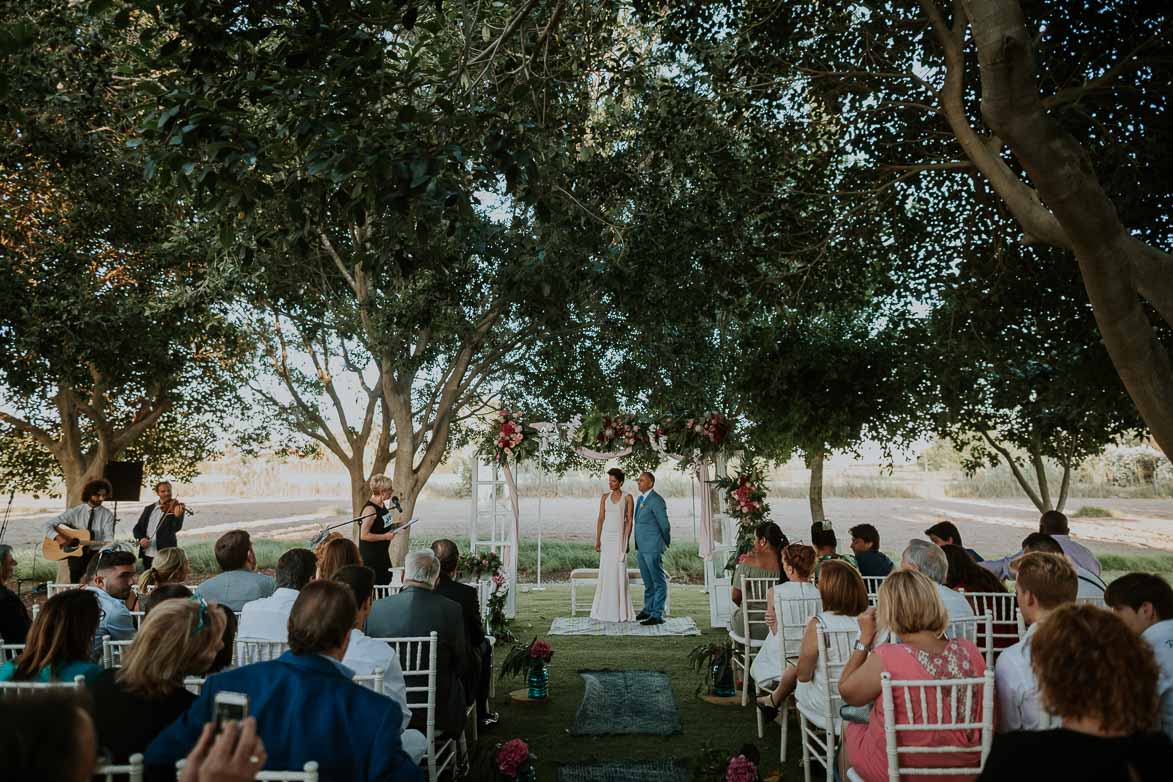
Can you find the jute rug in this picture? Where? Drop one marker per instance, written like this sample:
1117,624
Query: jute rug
584,625
619,771
626,702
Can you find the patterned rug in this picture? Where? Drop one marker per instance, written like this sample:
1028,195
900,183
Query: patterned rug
616,771
626,702
584,625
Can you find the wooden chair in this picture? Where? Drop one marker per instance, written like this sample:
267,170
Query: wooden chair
820,729
133,770
753,614
976,713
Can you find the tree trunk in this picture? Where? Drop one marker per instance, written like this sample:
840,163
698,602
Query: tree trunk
1064,486
815,463
1117,268
359,492
408,491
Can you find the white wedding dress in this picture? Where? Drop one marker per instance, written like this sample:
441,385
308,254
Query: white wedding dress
612,596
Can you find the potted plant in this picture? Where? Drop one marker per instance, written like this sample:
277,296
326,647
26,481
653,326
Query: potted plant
531,659
714,661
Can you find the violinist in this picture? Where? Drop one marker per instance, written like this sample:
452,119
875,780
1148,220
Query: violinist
157,526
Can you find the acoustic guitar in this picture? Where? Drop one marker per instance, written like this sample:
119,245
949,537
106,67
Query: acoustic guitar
80,540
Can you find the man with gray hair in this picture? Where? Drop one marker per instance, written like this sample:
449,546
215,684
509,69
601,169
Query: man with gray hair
418,611
929,559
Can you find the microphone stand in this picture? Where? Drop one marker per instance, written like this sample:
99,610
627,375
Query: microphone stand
322,533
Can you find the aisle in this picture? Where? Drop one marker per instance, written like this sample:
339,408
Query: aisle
546,727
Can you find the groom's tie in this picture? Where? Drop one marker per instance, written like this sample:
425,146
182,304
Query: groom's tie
638,503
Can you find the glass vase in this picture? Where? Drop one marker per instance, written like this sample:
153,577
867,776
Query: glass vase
538,682
723,684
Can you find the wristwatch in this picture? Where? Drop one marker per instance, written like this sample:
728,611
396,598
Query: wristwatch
861,647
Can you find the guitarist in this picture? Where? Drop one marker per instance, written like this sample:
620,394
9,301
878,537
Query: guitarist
90,515
156,527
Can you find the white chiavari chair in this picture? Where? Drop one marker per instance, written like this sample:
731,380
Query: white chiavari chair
872,583
1002,608
372,681
52,588
33,688
819,729
387,590
113,651
753,615
791,614
961,705
418,658
1093,600
308,773
979,630
133,770
256,650
10,652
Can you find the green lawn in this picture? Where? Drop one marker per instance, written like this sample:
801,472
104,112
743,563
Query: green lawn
705,725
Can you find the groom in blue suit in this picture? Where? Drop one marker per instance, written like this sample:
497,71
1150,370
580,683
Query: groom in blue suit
652,536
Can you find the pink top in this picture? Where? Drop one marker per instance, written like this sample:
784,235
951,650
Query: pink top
867,749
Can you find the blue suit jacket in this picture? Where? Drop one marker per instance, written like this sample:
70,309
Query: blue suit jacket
306,709
652,533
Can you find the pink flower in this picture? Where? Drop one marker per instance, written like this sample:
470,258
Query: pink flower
540,650
741,770
499,579
512,756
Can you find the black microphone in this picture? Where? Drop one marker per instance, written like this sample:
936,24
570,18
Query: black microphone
395,503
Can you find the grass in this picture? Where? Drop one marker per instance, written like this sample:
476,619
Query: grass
1091,512
544,726
559,557
852,489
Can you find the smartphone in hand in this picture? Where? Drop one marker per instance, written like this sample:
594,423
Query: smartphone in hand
229,707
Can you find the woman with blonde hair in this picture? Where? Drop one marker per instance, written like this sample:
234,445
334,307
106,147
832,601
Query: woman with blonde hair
169,566
134,703
1100,679
375,534
336,554
909,606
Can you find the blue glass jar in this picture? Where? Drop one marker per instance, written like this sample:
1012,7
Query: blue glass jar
538,682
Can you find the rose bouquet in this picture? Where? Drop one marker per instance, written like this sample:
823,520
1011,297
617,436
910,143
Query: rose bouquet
509,439
524,658
479,564
610,433
509,761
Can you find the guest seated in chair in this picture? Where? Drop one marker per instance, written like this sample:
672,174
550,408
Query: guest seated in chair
113,578
59,642
1051,523
1145,602
305,704
478,644
930,560
366,655
334,555
132,704
910,607
238,583
826,545
1100,679
966,575
764,560
267,619
844,598
798,562
1089,584
865,544
14,617
945,533
416,612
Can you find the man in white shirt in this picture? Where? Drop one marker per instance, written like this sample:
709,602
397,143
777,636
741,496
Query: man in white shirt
1045,582
929,559
112,584
1089,584
267,619
1145,603
1051,523
366,655
90,515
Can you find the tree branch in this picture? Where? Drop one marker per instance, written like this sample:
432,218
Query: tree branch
1018,475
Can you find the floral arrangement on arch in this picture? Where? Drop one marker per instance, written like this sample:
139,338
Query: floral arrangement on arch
610,433
745,498
477,565
509,761
481,563
704,434
509,439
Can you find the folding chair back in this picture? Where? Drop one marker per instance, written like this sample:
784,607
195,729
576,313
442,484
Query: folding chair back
933,706
133,770
10,652
792,615
113,651
372,681
418,658
819,729
1002,608
255,650
872,583
387,590
979,630
33,688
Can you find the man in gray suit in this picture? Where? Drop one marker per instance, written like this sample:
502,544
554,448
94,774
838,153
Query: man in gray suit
416,611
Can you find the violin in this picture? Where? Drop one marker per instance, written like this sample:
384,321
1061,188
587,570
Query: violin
173,507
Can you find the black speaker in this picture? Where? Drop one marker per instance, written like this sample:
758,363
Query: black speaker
126,478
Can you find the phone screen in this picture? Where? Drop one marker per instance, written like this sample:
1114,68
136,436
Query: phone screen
232,709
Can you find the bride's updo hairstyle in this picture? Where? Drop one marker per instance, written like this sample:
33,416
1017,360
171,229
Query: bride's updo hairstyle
617,474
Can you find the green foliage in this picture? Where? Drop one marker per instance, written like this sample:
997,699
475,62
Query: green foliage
1091,512
703,658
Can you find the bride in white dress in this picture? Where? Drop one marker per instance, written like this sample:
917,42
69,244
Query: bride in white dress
613,531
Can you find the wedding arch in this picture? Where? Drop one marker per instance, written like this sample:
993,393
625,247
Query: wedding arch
701,442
